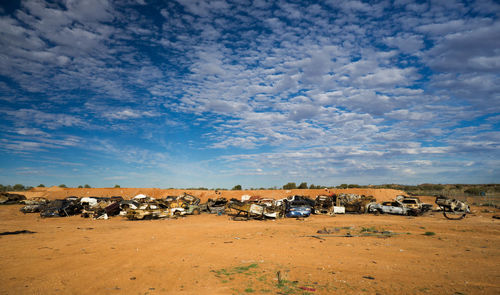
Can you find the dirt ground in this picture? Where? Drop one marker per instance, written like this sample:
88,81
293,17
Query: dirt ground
209,254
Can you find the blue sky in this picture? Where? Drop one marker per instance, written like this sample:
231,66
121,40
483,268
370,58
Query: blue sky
195,93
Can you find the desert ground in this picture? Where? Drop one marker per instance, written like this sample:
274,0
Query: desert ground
209,254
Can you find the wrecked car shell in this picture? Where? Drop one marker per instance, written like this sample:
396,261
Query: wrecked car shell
8,199
326,205
389,207
252,210
61,208
298,206
452,206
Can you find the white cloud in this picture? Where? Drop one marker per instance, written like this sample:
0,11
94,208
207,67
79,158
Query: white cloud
378,84
24,117
128,114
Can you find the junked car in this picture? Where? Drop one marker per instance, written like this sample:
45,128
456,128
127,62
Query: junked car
355,203
414,203
61,208
451,206
298,206
249,210
148,213
33,205
391,207
217,206
8,198
326,205
185,204
100,207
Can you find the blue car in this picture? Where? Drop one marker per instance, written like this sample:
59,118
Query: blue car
299,211
298,206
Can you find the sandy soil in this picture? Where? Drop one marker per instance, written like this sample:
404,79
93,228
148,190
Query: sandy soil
210,254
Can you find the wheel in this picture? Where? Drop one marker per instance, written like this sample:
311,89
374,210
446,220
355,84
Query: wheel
196,212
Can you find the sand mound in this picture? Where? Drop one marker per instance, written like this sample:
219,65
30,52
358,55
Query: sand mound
54,189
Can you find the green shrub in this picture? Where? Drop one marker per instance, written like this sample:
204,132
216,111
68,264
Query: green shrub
290,185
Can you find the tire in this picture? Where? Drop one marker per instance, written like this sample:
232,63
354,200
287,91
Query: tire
196,212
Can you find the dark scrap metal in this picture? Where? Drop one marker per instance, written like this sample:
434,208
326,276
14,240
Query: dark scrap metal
17,232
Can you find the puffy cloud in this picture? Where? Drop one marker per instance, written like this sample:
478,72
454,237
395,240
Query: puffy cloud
26,117
347,87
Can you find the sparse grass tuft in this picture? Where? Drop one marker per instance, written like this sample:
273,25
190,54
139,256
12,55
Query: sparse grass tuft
368,230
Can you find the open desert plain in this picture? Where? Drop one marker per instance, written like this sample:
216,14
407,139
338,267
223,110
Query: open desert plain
211,254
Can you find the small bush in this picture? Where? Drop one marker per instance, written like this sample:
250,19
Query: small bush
429,233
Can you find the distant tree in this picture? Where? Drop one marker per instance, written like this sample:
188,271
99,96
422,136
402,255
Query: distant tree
6,188
343,185
18,187
312,186
87,186
303,185
353,186
237,187
41,185
290,185
80,186
62,185
117,186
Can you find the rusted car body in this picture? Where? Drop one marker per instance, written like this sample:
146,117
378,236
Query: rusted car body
217,206
355,203
33,205
148,213
184,204
8,199
100,208
253,210
452,207
61,208
414,203
392,207
327,205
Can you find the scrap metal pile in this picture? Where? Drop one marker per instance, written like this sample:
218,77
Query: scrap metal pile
143,207
452,207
